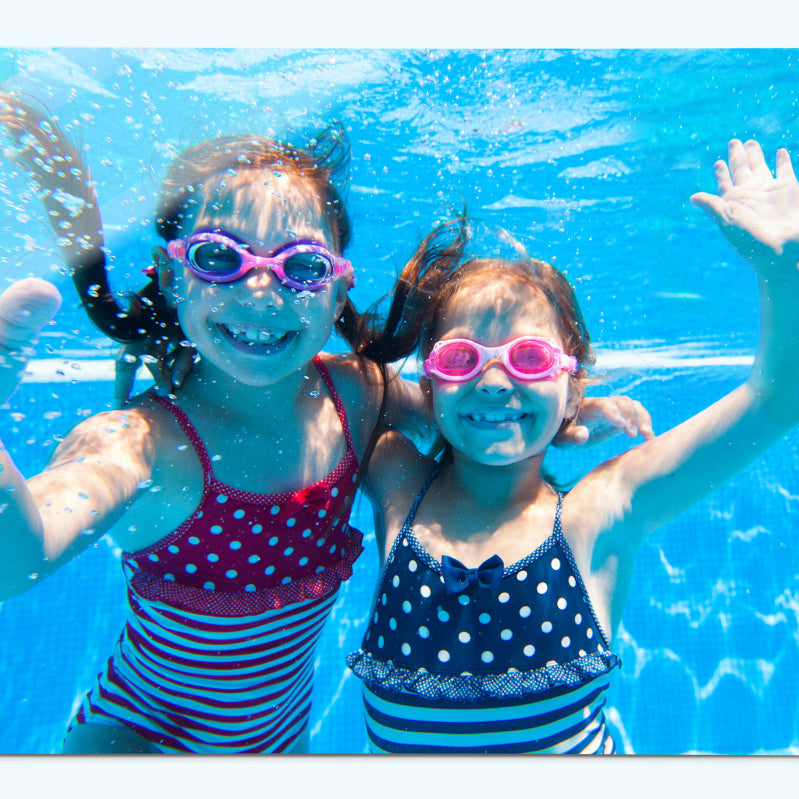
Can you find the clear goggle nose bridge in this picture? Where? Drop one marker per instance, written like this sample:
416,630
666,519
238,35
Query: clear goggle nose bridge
219,258
526,358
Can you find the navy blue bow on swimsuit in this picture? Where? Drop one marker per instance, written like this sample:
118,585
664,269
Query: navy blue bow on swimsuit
458,577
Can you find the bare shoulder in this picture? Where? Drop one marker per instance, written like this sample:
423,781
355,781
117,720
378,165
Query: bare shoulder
352,375
397,469
116,434
360,386
396,473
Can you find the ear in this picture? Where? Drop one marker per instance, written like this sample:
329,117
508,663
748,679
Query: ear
427,390
166,276
576,394
342,286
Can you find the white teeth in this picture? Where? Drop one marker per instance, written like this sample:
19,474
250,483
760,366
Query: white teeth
253,334
497,416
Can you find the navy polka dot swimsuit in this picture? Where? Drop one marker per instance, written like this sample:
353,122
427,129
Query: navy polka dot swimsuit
528,654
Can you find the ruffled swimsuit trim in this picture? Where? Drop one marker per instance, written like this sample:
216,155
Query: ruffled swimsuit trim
468,687
236,603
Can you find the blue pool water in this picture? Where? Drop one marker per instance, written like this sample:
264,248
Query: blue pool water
589,158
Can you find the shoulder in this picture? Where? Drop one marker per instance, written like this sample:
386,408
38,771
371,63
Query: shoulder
353,375
130,432
397,469
396,473
359,384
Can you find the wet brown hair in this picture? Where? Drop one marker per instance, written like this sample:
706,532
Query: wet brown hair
55,164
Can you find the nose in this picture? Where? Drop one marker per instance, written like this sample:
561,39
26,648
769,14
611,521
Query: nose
494,379
260,289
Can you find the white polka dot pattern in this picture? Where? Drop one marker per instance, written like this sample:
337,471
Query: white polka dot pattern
540,623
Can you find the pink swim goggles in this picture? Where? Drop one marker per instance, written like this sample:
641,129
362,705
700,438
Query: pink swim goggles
526,358
220,258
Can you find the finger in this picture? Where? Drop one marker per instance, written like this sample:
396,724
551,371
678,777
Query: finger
644,421
124,378
580,434
710,203
158,372
757,162
723,178
574,434
163,379
184,362
738,161
784,166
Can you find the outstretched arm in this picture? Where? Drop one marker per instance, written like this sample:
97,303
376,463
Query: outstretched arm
94,474
759,214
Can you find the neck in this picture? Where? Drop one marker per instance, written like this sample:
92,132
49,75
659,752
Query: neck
214,389
496,486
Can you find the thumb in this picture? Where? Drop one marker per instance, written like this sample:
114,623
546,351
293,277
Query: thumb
25,307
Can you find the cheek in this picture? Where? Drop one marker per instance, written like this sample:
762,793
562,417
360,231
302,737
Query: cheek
316,308
441,400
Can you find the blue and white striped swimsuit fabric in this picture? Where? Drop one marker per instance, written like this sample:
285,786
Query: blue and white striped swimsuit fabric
569,721
211,684
523,668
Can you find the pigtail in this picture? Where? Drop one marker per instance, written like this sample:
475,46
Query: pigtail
411,310
66,189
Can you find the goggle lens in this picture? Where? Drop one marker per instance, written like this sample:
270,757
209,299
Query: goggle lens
214,257
307,267
531,357
457,359
303,265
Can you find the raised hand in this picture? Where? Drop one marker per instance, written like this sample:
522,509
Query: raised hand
602,418
168,367
756,211
25,307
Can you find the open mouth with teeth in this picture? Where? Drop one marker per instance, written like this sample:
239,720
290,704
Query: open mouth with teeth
252,339
495,418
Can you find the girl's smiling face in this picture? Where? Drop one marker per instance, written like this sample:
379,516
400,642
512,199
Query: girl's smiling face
496,419
255,329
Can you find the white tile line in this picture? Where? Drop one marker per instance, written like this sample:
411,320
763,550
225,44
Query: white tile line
94,369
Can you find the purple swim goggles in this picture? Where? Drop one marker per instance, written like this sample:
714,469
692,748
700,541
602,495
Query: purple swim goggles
220,258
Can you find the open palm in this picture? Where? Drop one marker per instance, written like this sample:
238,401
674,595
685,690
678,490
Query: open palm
756,211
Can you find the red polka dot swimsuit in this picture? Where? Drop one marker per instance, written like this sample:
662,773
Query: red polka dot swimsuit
224,614
241,552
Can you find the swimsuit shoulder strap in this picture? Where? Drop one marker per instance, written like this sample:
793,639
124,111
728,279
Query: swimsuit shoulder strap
325,373
407,525
190,431
556,529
